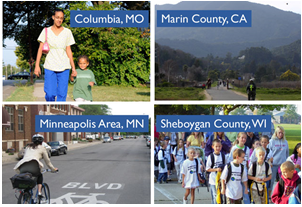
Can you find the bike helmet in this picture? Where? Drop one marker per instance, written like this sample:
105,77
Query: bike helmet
38,138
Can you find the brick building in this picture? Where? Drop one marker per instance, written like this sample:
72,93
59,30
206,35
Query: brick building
22,124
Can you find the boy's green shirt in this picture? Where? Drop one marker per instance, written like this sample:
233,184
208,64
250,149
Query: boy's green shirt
81,88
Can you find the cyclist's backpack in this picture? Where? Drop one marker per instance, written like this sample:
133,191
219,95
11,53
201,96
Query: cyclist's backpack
254,174
281,186
156,161
229,166
23,181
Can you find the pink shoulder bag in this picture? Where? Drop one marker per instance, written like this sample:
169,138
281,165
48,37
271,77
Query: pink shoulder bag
45,48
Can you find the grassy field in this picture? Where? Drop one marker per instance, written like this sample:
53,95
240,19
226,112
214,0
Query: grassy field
274,93
117,93
175,93
22,93
292,134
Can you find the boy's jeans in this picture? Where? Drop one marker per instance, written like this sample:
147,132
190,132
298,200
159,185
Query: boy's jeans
246,197
56,85
213,194
162,176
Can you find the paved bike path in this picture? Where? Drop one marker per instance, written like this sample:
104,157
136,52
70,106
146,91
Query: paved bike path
223,94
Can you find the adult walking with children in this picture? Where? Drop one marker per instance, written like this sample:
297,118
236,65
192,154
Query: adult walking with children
56,41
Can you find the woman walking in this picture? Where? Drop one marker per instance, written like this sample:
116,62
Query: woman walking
58,60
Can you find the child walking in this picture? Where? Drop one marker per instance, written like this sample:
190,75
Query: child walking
260,172
241,139
287,183
264,141
232,177
83,81
168,155
256,143
215,164
190,175
162,166
179,155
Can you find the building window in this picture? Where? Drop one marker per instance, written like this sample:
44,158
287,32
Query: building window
20,120
10,111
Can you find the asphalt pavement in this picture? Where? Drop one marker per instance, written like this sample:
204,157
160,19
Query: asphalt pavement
115,173
222,93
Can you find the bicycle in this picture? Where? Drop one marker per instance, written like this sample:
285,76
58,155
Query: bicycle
26,196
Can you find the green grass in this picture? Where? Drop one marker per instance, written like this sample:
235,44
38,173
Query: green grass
274,93
22,93
117,93
175,93
292,134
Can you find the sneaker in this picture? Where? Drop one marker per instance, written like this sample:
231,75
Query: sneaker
159,182
179,181
169,179
184,201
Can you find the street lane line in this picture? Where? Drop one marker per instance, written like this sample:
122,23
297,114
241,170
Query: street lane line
168,195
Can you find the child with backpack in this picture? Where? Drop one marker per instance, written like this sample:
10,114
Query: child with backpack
162,166
255,144
190,175
241,139
287,183
295,158
168,155
155,158
259,173
232,177
215,163
179,155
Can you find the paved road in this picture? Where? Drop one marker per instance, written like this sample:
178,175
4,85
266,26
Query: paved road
115,173
223,94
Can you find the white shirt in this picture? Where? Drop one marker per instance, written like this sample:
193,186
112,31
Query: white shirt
180,155
260,173
234,187
217,161
161,157
168,153
189,170
57,59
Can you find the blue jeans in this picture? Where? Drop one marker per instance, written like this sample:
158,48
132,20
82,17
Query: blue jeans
162,176
274,173
213,194
56,85
246,197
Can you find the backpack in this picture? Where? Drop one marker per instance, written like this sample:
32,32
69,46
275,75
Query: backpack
23,181
281,186
196,161
156,160
267,152
254,168
230,172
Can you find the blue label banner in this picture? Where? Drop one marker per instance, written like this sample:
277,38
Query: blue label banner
92,123
204,18
109,18
213,123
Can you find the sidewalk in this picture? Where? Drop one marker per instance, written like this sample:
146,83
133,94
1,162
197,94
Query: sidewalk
14,158
39,91
172,193
222,93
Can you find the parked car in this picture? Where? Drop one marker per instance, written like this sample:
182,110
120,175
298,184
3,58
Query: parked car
20,75
48,149
148,142
116,137
106,139
122,137
58,147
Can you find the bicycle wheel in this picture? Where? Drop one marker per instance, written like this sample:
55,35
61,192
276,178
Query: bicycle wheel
24,198
45,199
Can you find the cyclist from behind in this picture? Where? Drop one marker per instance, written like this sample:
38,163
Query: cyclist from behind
31,160
251,89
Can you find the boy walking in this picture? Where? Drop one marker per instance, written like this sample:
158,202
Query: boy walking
232,176
287,183
215,164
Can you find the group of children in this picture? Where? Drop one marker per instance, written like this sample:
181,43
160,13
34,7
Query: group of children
242,175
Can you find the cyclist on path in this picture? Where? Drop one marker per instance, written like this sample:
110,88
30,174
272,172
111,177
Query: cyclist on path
251,89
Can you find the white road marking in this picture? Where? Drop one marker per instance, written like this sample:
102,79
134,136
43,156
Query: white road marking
170,196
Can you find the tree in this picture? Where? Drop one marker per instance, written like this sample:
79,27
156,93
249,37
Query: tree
96,109
290,113
289,76
238,111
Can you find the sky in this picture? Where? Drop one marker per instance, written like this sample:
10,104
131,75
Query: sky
294,6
